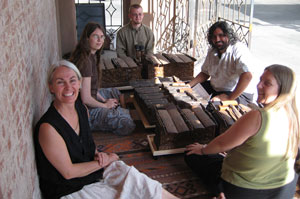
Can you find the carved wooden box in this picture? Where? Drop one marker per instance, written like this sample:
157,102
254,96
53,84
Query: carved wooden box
118,72
164,65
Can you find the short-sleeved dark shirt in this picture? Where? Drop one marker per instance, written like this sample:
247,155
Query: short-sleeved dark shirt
90,69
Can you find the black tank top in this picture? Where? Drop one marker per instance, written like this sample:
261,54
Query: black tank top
80,147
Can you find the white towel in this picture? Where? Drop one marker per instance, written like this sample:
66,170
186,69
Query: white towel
120,181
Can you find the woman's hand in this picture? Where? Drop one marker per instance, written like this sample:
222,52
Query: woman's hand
221,97
221,196
113,157
105,159
111,103
195,148
102,158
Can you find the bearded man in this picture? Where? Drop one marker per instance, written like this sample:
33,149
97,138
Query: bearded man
225,72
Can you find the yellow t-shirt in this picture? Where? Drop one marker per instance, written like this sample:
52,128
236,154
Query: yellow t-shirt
260,162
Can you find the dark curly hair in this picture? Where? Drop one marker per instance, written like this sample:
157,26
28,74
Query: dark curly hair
227,30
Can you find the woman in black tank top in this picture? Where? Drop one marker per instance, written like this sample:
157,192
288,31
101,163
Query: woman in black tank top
67,159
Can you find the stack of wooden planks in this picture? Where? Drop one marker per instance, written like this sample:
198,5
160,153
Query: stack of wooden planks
119,71
226,113
148,95
164,65
178,127
183,95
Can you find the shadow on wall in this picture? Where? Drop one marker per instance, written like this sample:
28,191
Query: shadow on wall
42,100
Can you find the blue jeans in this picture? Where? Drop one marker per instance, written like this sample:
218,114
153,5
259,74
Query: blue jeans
116,120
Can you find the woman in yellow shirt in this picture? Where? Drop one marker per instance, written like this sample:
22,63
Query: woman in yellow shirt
262,145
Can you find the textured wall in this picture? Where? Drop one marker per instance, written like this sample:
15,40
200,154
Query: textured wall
28,46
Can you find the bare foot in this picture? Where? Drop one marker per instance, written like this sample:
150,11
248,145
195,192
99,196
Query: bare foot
167,195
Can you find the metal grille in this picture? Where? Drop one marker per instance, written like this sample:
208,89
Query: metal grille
203,17
171,26
239,14
112,17
181,25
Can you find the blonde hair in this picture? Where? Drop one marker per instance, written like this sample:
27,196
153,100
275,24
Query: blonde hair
65,63
286,99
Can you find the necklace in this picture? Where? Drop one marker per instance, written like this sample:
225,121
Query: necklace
76,129
77,126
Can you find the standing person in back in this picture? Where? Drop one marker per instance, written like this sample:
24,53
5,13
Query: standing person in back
103,104
227,64
135,36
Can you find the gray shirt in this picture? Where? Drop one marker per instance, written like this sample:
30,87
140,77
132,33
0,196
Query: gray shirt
128,37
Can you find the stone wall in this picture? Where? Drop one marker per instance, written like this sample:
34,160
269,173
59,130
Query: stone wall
28,46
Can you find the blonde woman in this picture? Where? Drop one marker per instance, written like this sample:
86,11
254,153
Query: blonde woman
262,145
69,166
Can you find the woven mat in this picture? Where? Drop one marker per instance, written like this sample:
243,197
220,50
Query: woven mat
170,170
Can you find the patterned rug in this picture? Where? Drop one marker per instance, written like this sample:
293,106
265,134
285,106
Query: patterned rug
170,170
136,142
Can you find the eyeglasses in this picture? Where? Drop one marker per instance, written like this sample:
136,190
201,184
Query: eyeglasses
137,15
98,37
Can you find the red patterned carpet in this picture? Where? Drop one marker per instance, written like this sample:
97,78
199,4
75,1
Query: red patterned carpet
170,170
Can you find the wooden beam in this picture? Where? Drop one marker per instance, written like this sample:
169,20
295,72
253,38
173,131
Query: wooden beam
156,152
141,114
